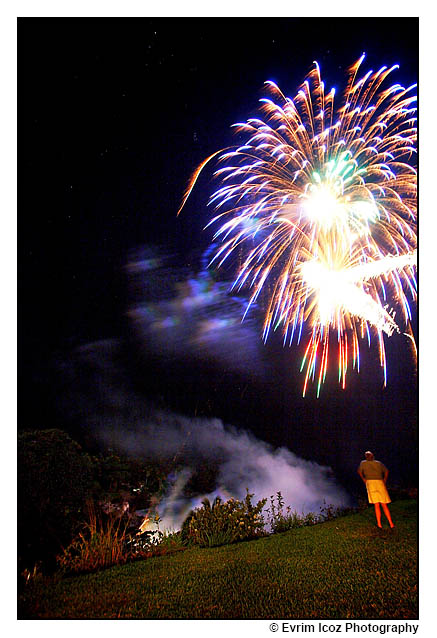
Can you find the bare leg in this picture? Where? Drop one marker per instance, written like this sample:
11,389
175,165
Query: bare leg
387,513
378,514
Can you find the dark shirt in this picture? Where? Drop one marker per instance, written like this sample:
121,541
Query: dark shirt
372,470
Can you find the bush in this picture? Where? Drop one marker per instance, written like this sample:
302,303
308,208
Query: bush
328,512
157,543
54,481
280,521
224,522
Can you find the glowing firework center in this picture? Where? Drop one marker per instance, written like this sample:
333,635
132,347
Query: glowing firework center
323,206
326,204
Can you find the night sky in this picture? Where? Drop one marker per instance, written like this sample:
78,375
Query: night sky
114,115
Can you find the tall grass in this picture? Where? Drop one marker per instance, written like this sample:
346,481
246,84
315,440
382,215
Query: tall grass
100,544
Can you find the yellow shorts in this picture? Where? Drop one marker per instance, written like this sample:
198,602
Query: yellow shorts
377,491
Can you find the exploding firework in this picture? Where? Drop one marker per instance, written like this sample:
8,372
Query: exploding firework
321,202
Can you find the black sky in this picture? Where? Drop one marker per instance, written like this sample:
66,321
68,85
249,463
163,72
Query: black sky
114,115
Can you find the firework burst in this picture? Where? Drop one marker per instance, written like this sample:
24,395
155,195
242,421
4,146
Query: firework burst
321,200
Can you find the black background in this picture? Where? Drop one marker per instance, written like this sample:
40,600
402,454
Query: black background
114,115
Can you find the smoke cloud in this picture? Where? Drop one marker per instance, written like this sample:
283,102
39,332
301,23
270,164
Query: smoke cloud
176,313
105,402
244,462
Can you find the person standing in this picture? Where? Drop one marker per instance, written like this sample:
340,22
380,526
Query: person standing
374,474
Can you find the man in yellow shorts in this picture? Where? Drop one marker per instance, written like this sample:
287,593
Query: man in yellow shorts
374,474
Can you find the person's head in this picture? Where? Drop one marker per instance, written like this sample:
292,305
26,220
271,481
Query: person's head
369,455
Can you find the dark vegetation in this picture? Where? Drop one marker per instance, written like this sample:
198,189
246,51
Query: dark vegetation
57,481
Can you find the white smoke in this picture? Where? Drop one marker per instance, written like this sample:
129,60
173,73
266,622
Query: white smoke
244,462
124,420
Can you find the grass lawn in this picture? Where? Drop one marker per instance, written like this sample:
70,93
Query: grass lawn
345,568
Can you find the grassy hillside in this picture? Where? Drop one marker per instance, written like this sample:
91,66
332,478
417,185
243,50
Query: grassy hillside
344,568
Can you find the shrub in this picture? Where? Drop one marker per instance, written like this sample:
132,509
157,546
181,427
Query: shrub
172,542
54,481
225,522
281,521
328,512
144,544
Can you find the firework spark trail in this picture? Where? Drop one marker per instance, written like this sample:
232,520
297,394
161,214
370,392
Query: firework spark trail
322,200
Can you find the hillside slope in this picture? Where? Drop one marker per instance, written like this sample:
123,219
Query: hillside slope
344,568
